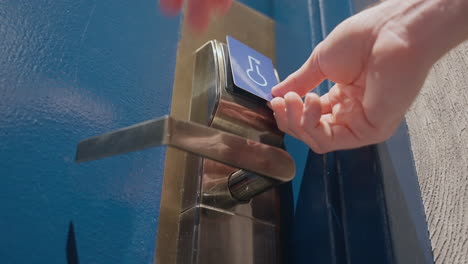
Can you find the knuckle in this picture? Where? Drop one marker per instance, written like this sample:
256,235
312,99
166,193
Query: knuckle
317,146
322,148
295,128
317,150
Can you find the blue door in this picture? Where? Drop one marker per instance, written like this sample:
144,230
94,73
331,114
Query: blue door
355,206
69,70
73,69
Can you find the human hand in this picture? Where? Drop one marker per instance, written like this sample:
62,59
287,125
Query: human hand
198,12
378,64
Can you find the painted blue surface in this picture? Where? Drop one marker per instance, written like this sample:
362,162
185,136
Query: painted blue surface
341,203
407,215
74,69
316,232
294,44
366,232
70,70
251,70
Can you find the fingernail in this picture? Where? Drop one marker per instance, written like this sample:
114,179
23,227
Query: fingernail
289,95
274,91
274,100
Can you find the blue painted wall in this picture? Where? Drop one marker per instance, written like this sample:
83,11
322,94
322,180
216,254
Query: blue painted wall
312,221
74,69
69,70
293,44
339,206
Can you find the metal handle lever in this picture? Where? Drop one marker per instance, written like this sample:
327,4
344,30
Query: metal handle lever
227,148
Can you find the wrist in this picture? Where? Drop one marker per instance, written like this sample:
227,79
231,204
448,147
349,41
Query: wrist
433,27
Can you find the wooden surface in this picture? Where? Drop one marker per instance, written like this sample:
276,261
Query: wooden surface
438,123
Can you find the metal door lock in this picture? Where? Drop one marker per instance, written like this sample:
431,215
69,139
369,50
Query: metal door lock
262,165
225,126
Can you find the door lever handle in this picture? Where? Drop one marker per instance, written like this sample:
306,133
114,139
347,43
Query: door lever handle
235,151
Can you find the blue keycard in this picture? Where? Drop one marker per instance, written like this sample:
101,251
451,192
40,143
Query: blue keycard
251,70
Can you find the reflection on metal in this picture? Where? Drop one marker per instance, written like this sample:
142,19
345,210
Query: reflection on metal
203,141
221,205
224,189
244,185
200,221
225,238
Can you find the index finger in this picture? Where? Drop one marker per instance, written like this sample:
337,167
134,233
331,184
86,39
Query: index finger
307,77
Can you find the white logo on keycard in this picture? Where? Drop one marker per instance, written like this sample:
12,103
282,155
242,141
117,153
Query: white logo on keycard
263,81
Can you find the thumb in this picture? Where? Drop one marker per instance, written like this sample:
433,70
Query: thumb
304,79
